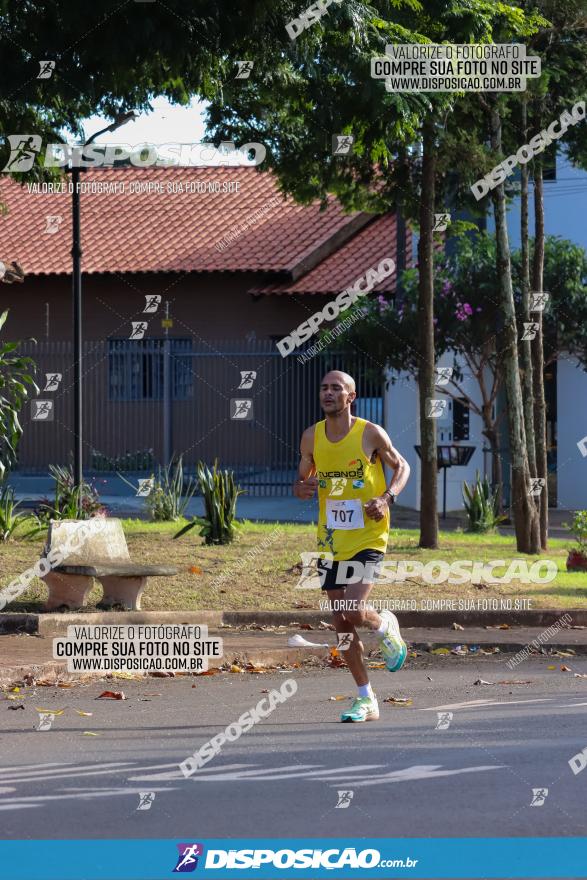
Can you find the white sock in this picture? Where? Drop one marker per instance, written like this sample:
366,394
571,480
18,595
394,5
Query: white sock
382,628
365,690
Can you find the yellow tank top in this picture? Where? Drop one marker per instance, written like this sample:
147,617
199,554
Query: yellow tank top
346,481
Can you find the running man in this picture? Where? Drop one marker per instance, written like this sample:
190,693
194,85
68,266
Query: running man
343,457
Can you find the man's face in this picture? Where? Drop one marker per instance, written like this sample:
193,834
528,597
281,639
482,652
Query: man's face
334,395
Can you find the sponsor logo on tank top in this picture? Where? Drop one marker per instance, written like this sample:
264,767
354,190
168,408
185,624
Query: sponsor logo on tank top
357,473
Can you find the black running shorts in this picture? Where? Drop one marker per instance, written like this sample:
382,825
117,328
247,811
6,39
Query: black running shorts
338,575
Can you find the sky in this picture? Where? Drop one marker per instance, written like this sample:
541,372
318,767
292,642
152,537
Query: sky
167,123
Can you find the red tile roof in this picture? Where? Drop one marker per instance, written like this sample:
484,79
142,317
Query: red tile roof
342,268
253,229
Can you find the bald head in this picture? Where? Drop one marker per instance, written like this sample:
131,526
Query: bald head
337,392
339,378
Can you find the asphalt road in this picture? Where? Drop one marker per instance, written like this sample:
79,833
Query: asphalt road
282,778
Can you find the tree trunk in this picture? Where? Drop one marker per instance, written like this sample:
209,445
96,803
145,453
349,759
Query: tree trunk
526,345
429,480
538,354
490,431
524,510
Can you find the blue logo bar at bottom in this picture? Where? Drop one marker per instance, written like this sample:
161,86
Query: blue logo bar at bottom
303,858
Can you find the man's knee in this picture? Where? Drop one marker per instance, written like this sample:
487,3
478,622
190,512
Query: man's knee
356,616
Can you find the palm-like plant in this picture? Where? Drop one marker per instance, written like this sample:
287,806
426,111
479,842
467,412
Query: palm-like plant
220,493
11,519
481,505
15,383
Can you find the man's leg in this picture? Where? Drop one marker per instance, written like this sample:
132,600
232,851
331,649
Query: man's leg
392,645
354,656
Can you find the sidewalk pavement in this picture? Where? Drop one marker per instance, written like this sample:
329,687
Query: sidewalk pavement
32,654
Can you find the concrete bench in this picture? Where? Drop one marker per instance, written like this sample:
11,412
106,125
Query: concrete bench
79,550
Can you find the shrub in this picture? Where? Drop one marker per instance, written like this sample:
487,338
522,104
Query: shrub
220,493
170,495
71,502
481,505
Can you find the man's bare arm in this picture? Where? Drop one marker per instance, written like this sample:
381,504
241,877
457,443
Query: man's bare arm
306,484
382,445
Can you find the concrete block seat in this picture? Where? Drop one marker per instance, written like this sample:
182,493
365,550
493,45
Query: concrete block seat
79,550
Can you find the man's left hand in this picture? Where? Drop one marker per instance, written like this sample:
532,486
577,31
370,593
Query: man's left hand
377,508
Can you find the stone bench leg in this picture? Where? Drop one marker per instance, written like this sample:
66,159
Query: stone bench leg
71,590
125,591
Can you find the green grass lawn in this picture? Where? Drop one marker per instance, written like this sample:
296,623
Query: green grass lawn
261,569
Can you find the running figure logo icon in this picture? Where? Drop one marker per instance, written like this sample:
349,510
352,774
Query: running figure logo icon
46,69
441,222
537,484
344,799
244,69
311,577
342,144
188,857
443,375
241,409
52,381
435,407
444,719
247,379
23,149
146,799
52,223
344,641
138,329
538,301
152,302
42,411
539,795
530,330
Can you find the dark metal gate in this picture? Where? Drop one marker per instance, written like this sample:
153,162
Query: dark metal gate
239,402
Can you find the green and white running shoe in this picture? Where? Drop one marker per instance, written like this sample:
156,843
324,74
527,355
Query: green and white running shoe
363,709
393,647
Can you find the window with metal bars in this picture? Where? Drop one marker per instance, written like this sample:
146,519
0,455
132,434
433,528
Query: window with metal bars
136,369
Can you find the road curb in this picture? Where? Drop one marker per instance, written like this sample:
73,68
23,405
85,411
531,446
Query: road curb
12,622
291,656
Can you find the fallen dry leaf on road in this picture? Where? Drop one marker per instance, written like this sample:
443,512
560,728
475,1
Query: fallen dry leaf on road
236,668
324,625
494,650
212,671
339,697
515,682
576,627
18,706
577,675
377,666
440,651
90,733
65,684
401,701
551,667
265,691
566,669
306,626
159,673
112,695
45,683
458,626
50,711
482,681
83,714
